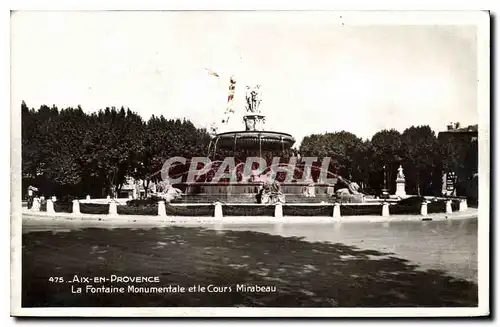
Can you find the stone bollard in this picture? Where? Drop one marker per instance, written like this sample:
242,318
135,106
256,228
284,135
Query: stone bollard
278,210
108,198
76,207
87,198
423,210
162,211
461,205
36,205
448,207
336,210
50,206
218,210
113,210
385,209
465,204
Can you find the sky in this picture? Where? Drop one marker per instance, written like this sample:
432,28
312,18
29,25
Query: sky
318,72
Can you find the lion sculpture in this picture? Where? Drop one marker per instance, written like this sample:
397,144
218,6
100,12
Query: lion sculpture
165,191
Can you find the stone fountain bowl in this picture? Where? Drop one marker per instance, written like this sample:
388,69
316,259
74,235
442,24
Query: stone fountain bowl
254,140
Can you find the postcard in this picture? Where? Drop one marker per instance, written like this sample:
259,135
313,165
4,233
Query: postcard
250,163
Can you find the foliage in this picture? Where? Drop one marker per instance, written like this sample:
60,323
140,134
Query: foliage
345,149
149,202
421,158
70,153
94,208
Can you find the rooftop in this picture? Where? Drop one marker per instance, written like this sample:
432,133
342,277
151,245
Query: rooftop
455,128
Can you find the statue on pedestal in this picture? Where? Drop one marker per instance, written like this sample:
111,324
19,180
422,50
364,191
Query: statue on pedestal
254,120
400,173
400,182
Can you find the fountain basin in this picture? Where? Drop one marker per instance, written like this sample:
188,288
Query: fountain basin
252,140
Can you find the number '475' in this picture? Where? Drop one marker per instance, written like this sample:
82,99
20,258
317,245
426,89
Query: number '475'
56,279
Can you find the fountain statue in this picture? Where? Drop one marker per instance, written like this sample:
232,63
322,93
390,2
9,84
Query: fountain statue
271,193
253,98
164,190
350,193
254,137
254,120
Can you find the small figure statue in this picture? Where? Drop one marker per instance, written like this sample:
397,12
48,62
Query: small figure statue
400,183
400,173
253,98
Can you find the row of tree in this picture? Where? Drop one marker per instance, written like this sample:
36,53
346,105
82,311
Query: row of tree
69,151
418,150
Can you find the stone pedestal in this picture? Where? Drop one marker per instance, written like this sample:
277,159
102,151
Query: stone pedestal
400,187
278,210
162,211
385,209
463,205
76,207
218,210
50,206
448,207
336,210
113,210
423,209
36,205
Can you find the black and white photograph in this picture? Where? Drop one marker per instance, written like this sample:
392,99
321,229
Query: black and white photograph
250,163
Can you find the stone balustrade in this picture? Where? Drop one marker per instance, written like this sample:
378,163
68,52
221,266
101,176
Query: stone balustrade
278,208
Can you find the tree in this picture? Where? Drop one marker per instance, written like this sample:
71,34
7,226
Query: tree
386,152
420,158
163,139
112,148
346,150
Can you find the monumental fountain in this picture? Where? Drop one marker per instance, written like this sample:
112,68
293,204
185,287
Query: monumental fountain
226,183
254,138
277,182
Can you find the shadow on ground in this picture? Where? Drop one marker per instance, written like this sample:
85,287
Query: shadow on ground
305,274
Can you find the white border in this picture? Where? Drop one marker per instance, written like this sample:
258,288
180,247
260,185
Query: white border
480,19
